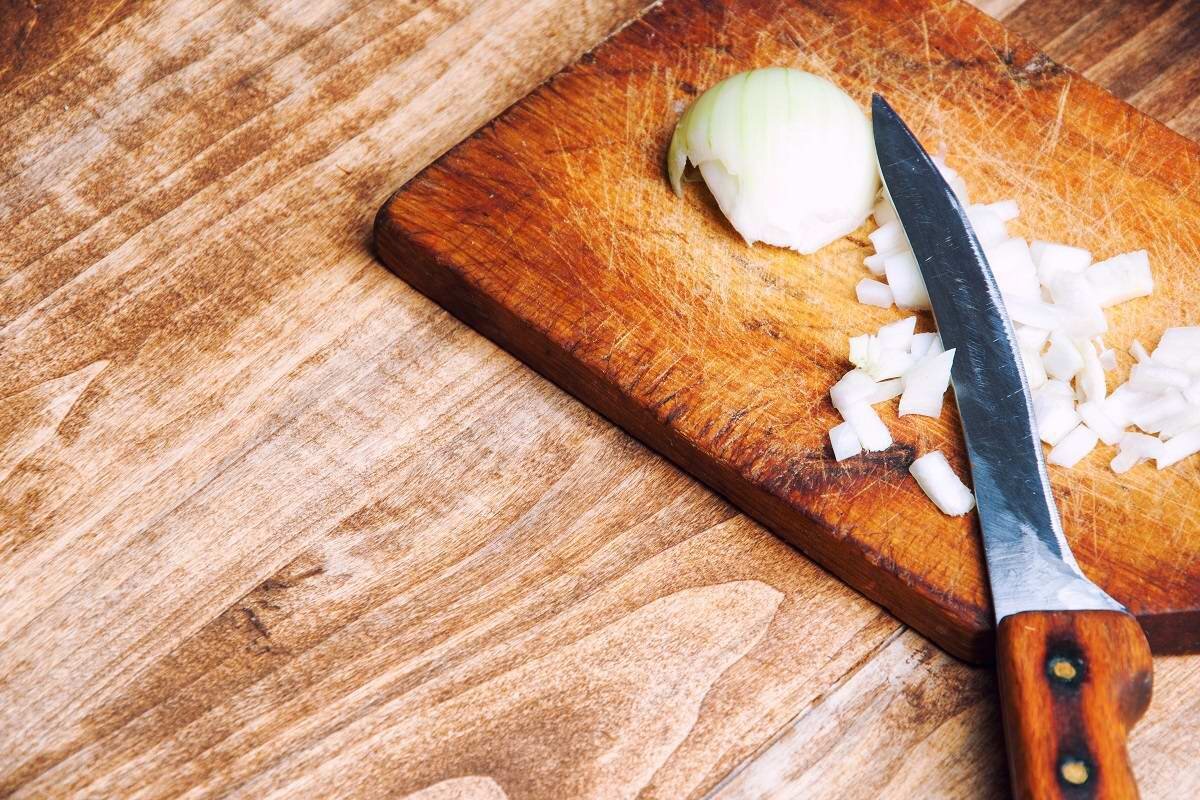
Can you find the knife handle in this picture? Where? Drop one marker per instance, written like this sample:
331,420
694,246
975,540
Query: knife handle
1072,685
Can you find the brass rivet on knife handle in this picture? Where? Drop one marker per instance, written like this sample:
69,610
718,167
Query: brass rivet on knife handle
1072,685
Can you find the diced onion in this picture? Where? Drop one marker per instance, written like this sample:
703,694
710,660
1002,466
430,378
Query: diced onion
922,343
873,293
925,385
855,388
844,441
1062,360
904,276
1121,278
1178,448
869,428
788,156
935,477
1013,267
1073,447
1095,417
1053,259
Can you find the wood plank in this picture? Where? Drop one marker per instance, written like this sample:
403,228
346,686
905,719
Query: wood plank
913,722
261,499
553,233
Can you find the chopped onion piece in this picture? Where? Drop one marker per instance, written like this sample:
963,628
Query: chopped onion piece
1031,337
1134,449
1151,416
1053,259
844,441
869,428
854,388
889,238
1097,419
925,385
860,350
875,262
1035,371
884,212
1121,278
1178,347
1151,377
935,477
1178,448
1192,393
1121,403
873,293
1108,360
1073,447
1013,267
989,228
1138,352
1055,416
891,363
904,276
898,335
1006,210
1091,382
1074,293
922,344
1056,388
886,390
1062,360
1176,424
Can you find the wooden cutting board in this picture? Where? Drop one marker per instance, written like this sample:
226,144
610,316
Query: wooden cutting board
553,232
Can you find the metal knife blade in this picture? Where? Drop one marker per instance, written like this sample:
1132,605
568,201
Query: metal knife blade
1030,565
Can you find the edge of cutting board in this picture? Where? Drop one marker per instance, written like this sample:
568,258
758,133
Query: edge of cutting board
962,627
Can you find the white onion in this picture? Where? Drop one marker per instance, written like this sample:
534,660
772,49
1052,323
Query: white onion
1138,352
889,238
873,293
1095,417
844,441
1178,347
1006,210
1151,377
898,335
854,388
1073,447
1178,448
1150,416
1121,278
788,156
869,428
1179,423
1031,337
1108,360
1053,259
1091,382
1134,449
904,276
988,226
935,477
1035,371
925,385
922,343
886,390
1062,360
1055,416
1012,265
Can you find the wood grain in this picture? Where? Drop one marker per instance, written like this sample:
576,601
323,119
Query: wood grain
1072,686
552,232
236,518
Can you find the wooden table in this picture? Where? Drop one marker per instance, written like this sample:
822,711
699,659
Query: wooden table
273,524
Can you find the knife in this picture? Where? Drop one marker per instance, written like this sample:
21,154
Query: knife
1073,665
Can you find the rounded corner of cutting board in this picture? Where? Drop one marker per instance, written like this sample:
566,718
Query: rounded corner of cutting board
421,239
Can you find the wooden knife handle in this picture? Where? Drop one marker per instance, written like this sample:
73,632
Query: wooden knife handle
1072,685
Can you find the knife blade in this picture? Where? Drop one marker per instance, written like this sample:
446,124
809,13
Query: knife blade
1074,665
